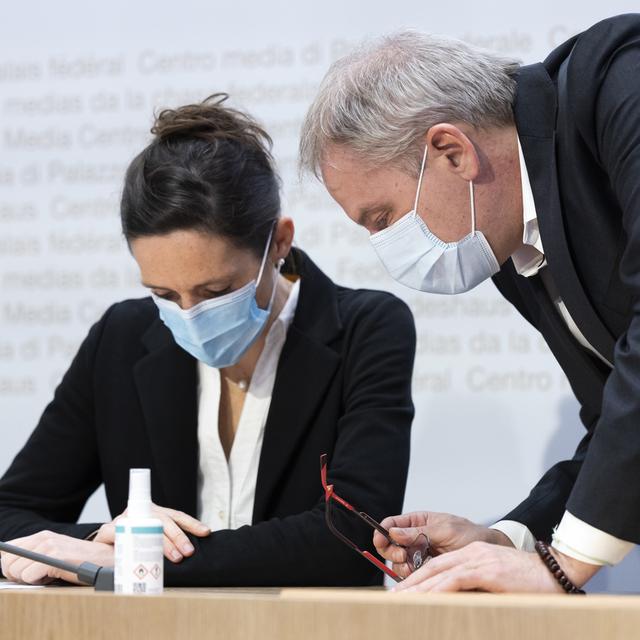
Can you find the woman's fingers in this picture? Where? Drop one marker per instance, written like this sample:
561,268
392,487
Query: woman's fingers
36,573
14,571
187,522
170,550
176,542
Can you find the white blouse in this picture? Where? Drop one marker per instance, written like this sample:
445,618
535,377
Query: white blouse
226,489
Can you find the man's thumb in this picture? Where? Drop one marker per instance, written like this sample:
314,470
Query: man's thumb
404,536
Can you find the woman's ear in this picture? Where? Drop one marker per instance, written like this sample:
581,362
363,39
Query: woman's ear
283,238
450,148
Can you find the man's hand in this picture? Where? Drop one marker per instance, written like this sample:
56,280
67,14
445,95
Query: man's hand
486,567
175,523
57,546
444,531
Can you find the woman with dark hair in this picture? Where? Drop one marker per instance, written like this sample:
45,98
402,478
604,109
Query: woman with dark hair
243,367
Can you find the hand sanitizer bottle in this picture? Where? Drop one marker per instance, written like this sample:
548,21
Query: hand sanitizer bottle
139,541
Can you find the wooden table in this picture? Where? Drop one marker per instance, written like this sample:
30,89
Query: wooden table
309,614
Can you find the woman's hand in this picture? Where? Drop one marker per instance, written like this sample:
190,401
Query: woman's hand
445,533
176,544
57,546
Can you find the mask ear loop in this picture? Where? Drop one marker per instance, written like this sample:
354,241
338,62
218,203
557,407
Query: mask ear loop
422,167
279,265
266,253
473,207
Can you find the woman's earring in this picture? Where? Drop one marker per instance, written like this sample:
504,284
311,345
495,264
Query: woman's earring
280,263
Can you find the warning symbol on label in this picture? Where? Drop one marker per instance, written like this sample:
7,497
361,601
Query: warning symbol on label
140,572
155,571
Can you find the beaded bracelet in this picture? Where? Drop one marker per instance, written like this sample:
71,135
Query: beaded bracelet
551,563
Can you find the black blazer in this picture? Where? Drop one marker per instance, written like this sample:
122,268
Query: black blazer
578,118
129,400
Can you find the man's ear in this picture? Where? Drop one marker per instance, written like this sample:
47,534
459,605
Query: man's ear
453,150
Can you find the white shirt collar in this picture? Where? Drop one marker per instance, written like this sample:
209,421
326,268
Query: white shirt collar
288,311
529,259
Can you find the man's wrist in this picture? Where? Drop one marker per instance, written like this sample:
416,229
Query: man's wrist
495,536
577,571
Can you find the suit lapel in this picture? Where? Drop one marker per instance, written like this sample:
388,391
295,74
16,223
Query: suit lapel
535,112
567,351
306,368
166,379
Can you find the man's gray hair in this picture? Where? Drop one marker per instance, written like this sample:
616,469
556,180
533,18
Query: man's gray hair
382,98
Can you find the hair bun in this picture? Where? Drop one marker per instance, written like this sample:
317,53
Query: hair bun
210,121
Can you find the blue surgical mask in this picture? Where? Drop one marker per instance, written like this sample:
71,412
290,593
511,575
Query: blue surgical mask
219,331
417,258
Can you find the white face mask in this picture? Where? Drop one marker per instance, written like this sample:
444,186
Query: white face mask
418,259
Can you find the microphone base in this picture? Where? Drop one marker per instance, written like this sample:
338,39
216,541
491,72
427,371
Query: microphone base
104,579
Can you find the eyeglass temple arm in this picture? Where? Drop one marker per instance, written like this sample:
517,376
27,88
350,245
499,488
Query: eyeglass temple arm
376,525
369,556
361,514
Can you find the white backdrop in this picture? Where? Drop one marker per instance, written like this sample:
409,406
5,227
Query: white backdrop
77,90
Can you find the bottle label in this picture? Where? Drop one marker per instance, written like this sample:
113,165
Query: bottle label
139,559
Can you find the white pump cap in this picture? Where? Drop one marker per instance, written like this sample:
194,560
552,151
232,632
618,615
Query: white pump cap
139,505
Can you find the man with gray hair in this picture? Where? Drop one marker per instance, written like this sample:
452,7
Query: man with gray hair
529,175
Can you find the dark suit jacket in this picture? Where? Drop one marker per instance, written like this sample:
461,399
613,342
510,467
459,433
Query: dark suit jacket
129,400
579,125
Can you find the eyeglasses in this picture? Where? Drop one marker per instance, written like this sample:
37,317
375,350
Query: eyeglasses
417,552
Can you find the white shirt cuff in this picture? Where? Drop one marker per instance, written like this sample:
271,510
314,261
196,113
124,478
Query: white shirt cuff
520,536
581,541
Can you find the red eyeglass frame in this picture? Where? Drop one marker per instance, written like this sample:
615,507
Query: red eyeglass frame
330,494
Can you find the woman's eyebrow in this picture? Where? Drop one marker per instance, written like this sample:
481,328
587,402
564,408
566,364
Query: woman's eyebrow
197,286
